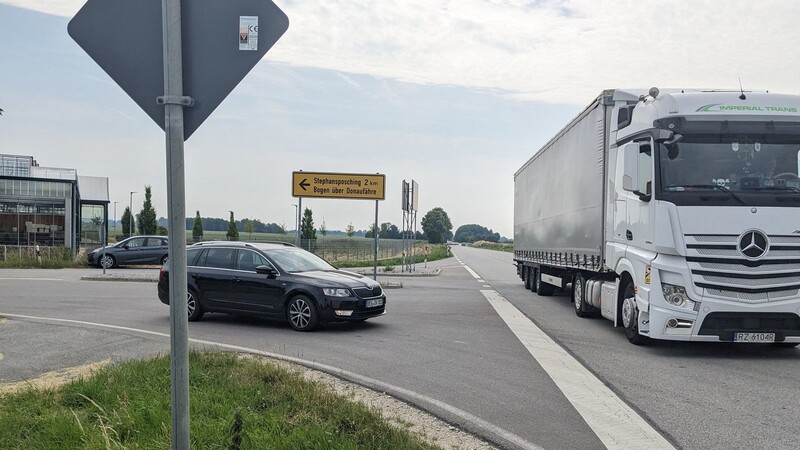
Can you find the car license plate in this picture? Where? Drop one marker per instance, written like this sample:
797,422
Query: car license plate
373,303
753,337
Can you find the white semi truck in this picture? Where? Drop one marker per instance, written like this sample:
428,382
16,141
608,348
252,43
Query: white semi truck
675,214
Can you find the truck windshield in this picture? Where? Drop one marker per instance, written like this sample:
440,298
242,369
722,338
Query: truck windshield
738,169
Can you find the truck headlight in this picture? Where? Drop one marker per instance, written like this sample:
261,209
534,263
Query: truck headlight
676,296
336,292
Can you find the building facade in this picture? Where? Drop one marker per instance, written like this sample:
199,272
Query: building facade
50,206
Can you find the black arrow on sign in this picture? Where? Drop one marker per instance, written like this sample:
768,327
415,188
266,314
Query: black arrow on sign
304,185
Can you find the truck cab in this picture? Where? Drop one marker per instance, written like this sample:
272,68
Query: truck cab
703,214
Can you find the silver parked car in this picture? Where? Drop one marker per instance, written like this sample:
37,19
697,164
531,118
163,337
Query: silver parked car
134,250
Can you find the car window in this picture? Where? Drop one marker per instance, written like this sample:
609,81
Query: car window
135,243
249,260
155,242
298,260
221,258
191,256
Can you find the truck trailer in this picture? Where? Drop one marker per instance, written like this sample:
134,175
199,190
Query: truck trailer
673,213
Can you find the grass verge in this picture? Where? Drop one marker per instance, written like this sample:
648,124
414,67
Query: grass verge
235,403
436,252
50,258
494,246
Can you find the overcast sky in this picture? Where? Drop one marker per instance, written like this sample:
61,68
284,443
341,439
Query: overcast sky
454,94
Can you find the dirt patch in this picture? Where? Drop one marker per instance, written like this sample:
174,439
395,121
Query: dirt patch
398,413
53,379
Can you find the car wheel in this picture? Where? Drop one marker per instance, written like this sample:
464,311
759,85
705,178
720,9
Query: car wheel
582,308
543,289
630,316
107,261
193,304
302,314
164,259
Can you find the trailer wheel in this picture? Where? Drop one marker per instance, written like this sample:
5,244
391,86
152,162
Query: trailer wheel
533,274
542,288
630,315
582,308
526,276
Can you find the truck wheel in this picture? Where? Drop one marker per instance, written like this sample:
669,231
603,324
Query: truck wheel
630,316
533,275
582,308
526,275
543,288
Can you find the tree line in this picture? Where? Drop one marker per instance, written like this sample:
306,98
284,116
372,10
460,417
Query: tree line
436,226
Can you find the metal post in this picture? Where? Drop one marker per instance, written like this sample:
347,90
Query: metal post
130,208
173,126
103,253
299,211
375,266
115,220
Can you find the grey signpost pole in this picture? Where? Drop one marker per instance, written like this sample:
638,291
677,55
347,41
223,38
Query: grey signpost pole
375,265
173,102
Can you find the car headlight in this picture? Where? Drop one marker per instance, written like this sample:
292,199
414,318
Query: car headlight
336,292
676,296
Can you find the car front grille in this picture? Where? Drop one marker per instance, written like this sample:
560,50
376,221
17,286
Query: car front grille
718,267
366,292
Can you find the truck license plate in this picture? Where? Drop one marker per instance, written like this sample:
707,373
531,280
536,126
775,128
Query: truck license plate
753,337
373,303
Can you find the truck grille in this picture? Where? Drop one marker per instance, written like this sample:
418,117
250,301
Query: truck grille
719,267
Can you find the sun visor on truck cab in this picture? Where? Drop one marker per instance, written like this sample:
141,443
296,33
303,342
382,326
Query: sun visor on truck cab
683,126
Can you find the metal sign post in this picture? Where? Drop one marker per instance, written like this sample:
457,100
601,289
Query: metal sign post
375,265
355,186
173,101
223,42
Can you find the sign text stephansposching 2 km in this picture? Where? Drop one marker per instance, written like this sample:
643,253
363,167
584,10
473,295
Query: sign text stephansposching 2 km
360,186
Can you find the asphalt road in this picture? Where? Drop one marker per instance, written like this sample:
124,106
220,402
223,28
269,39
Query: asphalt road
444,347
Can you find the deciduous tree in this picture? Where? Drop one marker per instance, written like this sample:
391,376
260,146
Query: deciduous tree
436,225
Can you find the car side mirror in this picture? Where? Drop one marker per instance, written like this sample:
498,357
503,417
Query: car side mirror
630,168
266,270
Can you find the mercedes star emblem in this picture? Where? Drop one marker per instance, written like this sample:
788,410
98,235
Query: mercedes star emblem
753,244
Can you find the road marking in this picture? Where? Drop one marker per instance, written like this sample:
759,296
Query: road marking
472,272
614,422
477,425
486,286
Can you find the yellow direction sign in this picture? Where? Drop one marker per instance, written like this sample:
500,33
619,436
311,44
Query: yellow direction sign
359,186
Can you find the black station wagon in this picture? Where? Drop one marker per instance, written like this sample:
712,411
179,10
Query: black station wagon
273,279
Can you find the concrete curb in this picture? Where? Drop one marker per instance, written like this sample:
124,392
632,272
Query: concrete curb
130,278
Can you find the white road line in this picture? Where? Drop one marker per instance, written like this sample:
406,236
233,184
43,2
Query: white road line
486,286
615,423
472,272
481,281
423,401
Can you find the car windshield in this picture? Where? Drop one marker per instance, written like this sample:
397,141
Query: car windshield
738,163
298,260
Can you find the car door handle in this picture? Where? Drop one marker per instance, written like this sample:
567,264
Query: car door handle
196,276
628,235
236,279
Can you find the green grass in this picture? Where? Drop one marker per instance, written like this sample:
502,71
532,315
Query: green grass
437,252
51,258
233,400
494,246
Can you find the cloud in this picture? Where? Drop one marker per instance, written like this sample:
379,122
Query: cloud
559,51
